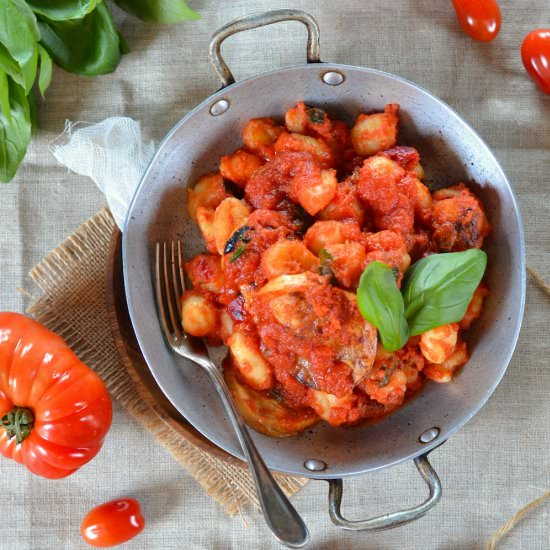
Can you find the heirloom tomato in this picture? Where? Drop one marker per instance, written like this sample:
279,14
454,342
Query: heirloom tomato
54,410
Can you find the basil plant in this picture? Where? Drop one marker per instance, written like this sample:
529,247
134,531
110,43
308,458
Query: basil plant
79,36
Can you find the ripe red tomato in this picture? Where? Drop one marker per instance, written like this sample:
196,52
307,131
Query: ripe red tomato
112,523
479,19
54,410
535,54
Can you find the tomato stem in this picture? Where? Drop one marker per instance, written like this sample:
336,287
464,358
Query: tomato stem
18,423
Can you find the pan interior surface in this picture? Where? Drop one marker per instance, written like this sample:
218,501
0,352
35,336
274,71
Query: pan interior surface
450,151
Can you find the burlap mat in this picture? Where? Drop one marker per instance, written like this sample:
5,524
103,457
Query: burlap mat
73,304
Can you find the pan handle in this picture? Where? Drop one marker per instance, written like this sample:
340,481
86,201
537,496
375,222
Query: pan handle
260,20
387,521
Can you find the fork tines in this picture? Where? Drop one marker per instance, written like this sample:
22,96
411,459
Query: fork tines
169,286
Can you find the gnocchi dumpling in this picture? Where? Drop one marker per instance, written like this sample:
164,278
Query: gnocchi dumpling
229,215
444,372
344,206
263,411
314,192
374,133
346,409
249,361
407,157
239,166
205,221
324,233
205,272
199,315
208,192
286,258
346,261
259,135
306,144
438,344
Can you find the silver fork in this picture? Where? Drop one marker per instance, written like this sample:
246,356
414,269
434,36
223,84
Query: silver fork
280,515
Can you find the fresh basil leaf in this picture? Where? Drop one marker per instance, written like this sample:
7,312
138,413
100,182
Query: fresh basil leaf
28,71
33,112
45,70
381,304
62,10
438,288
24,75
5,96
18,30
237,254
159,11
89,46
10,66
15,131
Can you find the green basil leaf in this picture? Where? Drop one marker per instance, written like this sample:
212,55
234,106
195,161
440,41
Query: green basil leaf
33,112
237,254
15,131
438,288
28,71
159,11
24,75
381,304
10,66
45,70
5,96
62,10
18,30
89,46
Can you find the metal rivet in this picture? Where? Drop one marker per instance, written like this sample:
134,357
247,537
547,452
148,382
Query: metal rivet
333,78
219,107
315,465
429,435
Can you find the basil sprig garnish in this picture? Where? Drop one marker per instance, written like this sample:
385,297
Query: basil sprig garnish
436,291
381,304
438,288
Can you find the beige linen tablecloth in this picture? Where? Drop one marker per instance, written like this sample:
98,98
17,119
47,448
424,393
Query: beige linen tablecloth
492,467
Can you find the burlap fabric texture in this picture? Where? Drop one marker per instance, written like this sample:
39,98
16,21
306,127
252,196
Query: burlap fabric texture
73,303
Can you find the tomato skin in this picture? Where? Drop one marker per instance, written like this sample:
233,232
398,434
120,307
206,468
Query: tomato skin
535,54
479,19
112,523
68,403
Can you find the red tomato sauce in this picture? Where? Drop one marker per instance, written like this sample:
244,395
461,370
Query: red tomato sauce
324,200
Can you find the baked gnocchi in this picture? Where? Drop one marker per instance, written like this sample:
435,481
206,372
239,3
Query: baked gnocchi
290,222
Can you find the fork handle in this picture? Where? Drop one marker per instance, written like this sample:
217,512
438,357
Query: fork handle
281,517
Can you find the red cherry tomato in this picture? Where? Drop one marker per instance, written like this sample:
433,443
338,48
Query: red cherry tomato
535,54
479,19
112,523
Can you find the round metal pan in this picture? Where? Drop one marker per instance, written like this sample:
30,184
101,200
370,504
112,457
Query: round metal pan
451,152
